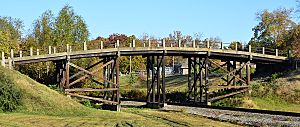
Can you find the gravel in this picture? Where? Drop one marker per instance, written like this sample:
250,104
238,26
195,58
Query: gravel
238,117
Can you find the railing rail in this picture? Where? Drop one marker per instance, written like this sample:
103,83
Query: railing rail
51,49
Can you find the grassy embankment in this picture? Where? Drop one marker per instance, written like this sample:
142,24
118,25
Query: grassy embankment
278,92
24,102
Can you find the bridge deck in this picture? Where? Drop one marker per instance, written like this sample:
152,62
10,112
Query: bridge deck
168,51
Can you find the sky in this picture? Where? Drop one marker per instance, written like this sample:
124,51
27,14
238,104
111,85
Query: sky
231,20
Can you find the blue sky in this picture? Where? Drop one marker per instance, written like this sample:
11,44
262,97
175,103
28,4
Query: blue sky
231,20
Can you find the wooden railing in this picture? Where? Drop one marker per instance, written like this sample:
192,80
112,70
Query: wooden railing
135,43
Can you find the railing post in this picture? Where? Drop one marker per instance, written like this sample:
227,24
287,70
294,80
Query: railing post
133,43
31,51
249,49
10,63
11,53
3,59
171,44
194,43
207,44
54,50
21,55
276,51
263,50
68,47
157,44
149,43
236,47
49,50
144,43
179,43
37,52
84,46
164,42
118,44
221,45
101,45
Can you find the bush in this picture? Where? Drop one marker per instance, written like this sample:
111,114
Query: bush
235,101
132,79
10,96
86,103
134,94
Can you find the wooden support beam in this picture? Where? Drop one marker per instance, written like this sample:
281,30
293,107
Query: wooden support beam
248,73
228,95
31,51
90,73
163,80
82,72
222,87
90,90
117,79
153,80
148,78
228,71
92,98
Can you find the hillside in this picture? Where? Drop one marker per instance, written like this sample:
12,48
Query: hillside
38,105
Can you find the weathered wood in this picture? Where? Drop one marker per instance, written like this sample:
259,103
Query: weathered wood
84,46
31,51
216,53
11,53
222,87
21,54
228,72
227,95
37,52
82,72
10,66
49,49
90,90
91,73
92,98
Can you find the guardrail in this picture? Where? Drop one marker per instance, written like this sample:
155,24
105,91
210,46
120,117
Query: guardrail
22,52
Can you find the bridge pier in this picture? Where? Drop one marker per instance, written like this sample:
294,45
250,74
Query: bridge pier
108,80
197,78
230,83
156,85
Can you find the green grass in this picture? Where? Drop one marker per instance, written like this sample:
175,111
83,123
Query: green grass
41,106
276,104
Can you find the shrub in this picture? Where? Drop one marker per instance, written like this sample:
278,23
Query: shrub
10,96
132,79
134,94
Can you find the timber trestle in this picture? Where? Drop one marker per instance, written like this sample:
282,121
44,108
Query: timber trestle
228,81
104,73
156,81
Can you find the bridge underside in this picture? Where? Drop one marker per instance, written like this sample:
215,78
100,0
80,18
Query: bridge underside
204,84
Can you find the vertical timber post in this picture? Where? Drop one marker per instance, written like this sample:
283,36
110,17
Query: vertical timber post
163,79
31,51
148,78
206,81
248,73
189,77
67,72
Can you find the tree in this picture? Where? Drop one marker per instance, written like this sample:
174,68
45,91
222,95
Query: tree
273,28
44,30
10,33
70,28
239,45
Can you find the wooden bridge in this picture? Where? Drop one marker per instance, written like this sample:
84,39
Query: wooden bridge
200,64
